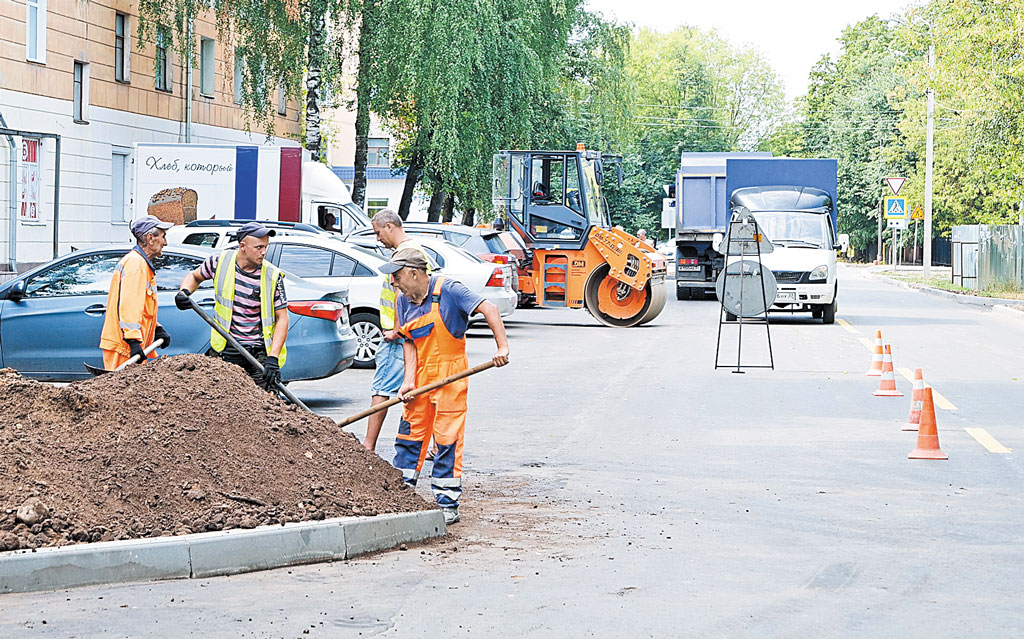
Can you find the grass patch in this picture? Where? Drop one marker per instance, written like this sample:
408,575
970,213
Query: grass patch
1004,292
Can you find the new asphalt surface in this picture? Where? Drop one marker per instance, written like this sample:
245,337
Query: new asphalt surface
617,485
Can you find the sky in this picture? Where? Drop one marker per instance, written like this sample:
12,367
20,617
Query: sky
791,34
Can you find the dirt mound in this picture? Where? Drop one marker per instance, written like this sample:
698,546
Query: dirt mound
180,445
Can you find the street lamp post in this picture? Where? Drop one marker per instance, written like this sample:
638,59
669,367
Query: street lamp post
929,157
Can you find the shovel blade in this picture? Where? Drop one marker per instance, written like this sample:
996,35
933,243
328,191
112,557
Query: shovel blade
96,372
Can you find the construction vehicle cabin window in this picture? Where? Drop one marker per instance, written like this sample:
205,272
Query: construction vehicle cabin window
595,205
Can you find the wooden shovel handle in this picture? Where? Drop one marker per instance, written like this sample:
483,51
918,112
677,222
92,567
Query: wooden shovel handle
146,351
419,391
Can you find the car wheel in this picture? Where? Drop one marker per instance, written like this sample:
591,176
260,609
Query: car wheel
828,313
366,327
816,313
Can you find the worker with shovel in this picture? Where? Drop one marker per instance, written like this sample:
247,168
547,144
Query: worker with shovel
250,304
432,315
129,324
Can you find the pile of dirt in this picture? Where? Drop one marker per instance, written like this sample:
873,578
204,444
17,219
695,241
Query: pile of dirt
181,445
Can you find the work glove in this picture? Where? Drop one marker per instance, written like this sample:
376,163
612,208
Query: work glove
162,334
135,346
181,300
271,374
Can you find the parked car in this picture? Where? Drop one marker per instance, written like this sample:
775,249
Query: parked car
51,317
484,243
219,233
491,281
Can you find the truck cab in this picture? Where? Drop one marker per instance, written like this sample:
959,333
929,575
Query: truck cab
798,223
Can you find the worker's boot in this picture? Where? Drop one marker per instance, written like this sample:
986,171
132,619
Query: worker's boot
451,515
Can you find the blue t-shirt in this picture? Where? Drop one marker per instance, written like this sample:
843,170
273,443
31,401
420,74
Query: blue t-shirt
457,303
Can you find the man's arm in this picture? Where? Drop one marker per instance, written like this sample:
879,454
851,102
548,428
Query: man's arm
409,350
130,303
493,317
193,280
280,331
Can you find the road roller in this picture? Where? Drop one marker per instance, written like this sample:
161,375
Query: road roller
553,200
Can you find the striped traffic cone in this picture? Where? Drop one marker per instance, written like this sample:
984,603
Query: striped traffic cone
928,434
914,420
887,385
876,357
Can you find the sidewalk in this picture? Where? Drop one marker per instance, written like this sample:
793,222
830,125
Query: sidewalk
885,273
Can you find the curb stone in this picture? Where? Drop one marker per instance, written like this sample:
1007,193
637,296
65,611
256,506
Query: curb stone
203,555
960,298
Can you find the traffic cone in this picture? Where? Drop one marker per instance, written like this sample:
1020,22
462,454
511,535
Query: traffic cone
887,385
876,357
914,420
928,434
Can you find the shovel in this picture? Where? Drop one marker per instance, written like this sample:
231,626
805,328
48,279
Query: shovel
255,363
418,391
96,372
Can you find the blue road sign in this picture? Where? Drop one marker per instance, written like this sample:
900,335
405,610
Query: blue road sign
895,208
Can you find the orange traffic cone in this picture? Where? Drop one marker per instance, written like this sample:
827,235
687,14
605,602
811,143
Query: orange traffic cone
914,420
887,385
876,357
928,434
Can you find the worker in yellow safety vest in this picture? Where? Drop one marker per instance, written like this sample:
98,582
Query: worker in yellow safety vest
250,303
129,324
387,379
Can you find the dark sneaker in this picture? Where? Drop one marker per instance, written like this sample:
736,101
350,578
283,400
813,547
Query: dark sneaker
451,515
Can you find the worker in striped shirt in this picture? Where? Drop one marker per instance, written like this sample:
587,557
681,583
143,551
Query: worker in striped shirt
250,303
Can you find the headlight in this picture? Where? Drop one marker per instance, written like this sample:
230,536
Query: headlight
819,273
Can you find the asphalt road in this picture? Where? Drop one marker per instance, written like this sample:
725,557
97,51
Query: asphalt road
619,486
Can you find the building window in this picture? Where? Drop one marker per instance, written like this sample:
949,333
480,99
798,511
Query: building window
374,206
207,56
35,31
239,70
162,60
119,163
282,98
80,103
377,152
122,48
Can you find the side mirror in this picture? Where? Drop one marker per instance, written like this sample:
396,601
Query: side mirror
599,172
844,242
17,291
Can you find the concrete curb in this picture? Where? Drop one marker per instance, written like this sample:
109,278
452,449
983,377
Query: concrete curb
211,554
1009,311
959,298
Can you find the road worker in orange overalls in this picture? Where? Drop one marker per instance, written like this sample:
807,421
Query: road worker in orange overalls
432,314
129,324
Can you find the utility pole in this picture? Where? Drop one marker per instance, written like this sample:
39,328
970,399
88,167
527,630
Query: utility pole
878,253
926,240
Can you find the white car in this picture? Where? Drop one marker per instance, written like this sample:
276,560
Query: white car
324,259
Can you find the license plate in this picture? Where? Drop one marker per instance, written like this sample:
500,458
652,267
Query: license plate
785,296
695,267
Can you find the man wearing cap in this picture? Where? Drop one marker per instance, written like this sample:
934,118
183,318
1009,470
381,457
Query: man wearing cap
250,303
432,314
130,320
387,379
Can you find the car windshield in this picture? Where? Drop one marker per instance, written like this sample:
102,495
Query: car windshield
794,227
494,244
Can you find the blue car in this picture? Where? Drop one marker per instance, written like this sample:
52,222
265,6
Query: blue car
51,317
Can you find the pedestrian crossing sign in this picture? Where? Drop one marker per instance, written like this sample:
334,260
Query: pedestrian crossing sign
918,213
895,208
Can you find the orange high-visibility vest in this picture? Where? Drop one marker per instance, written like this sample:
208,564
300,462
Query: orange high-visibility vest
131,309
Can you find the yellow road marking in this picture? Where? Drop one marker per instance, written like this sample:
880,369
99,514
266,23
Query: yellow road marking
867,344
939,398
846,325
986,440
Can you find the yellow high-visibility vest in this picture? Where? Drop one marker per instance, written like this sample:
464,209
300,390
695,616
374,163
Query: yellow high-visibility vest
224,298
388,293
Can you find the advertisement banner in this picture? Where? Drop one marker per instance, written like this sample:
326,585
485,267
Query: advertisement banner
28,181
204,176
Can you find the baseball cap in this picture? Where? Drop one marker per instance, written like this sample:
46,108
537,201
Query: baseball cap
407,257
147,223
255,229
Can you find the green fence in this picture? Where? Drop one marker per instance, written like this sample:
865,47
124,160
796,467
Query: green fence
1000,257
